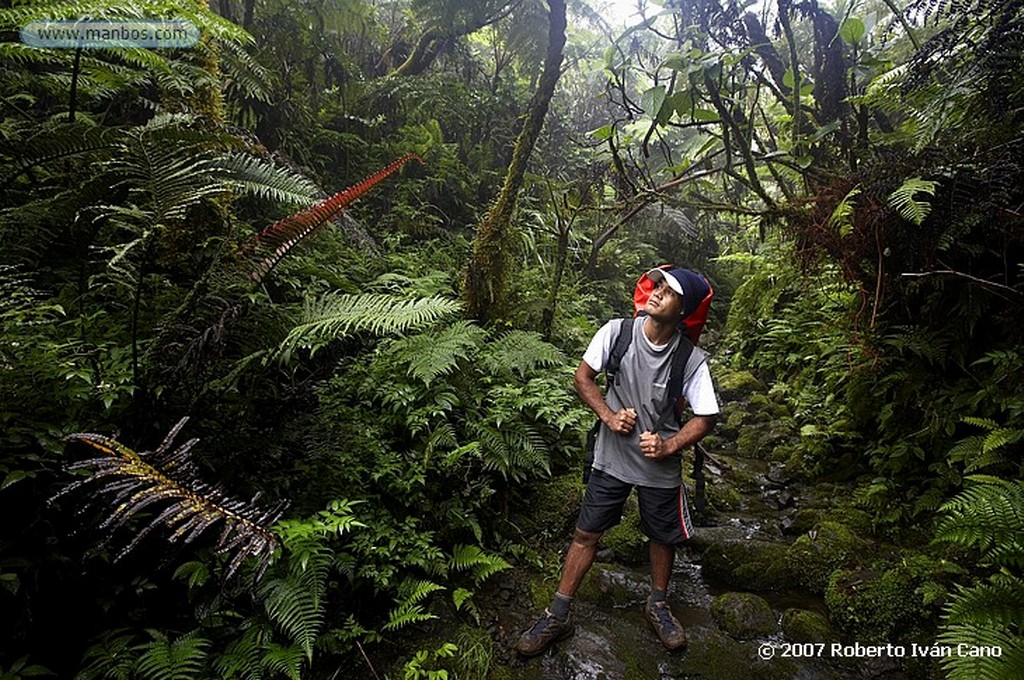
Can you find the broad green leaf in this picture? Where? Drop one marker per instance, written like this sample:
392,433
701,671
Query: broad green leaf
852,31
603,132
705,115
682,102
652,99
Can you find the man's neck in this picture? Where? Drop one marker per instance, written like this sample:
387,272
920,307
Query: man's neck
658,332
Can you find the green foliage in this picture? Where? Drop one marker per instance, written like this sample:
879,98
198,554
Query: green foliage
988,517
904,202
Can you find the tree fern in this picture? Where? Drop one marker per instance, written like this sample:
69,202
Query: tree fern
165,477
434,354
903,201
336,315
520,352
181,659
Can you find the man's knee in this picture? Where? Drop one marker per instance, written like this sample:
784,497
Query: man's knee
587,539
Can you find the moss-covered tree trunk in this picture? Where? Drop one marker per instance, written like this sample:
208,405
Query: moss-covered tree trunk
484,291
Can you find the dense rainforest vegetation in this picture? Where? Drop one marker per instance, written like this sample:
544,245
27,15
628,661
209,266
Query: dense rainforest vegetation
380,389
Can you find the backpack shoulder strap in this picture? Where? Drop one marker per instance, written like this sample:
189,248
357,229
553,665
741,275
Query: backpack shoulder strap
677,374
623,339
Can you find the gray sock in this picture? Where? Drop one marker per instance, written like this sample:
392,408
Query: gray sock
657,596
560,606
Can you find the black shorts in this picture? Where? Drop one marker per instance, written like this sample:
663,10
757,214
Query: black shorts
664,513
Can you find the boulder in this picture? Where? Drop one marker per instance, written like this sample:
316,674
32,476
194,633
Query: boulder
745,616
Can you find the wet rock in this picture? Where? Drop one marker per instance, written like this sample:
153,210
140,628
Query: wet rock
586,655
777,474
744,615
610,586
799,521
748,564
802,625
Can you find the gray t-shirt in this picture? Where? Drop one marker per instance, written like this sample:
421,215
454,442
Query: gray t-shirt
642,384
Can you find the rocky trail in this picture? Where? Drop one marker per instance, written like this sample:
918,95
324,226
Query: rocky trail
774,577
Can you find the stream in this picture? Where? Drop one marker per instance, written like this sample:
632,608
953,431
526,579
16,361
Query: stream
613,640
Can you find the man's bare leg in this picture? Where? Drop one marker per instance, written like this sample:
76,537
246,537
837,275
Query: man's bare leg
669,631
578,561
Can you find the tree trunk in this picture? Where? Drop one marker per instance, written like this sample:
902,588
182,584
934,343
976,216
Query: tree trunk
484,288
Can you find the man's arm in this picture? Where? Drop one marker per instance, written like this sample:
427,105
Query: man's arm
585,381
695,429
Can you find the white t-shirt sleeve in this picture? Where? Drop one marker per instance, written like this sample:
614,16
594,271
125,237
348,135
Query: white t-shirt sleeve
700,392
600,347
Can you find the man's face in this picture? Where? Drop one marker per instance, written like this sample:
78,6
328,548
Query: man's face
664,303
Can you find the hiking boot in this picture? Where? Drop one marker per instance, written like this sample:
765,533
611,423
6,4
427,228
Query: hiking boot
669,630
543,633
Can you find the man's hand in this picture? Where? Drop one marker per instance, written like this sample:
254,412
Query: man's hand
653,446
622,421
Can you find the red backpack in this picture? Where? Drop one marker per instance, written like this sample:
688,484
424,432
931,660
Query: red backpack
691,324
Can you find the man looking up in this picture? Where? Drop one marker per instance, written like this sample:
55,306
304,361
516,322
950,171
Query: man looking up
639,444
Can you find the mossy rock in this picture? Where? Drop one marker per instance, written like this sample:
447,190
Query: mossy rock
872,605
802,625
626,539
748,564
744,615
735,385
614,587
833,547
762,404
759,440
551,508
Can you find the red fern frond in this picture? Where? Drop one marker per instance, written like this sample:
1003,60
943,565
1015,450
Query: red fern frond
282,236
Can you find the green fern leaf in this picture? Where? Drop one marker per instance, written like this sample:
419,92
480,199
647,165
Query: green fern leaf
520,352
431,355
182,659
903,201
337,315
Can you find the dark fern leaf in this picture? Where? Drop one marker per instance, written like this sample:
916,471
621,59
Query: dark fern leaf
133,481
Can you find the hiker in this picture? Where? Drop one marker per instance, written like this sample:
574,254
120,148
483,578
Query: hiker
639,443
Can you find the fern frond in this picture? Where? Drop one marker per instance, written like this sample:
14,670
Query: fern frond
285,660
295,604
57,143
181,659
520,352
255,176
989,516
999,601
903,201
275,241
962,666
336,315
431,355
841,218
473,558
190,506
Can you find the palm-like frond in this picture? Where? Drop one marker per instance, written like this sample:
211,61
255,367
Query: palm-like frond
258,177
520,352
189,505
275,241
989,516
336,315
166,659
433,354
